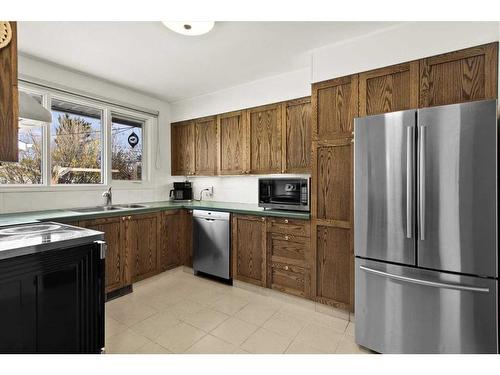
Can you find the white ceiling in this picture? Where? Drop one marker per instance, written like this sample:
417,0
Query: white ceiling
148,57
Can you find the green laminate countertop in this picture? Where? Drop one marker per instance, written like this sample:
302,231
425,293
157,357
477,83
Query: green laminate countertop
67,215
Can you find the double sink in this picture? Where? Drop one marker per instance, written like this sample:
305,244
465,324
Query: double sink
109,208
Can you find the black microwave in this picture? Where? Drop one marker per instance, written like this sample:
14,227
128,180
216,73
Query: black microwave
284,193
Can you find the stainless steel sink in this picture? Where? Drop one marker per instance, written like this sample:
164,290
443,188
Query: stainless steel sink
97,209
133,205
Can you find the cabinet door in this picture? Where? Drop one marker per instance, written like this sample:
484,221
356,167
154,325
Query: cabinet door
296,145
460,76
334,266
232,148
335,105
205,146
9,106
264,136
115,254
172,244
182,146
389,89
141,239
249,249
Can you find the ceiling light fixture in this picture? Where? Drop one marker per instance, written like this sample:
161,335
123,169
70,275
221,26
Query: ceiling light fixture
190,28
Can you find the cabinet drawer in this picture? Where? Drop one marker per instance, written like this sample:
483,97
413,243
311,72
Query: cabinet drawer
289,226
294,249
290,279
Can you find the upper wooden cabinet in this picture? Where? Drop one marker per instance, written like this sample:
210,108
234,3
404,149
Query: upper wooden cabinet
182,148
460,76
9,106
264,138
232,155
296,142
335,105
205,130
389,89
249,249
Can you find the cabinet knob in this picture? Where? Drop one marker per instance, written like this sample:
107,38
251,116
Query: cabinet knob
287,238
124,218
286,221
130,217
286,268
263,219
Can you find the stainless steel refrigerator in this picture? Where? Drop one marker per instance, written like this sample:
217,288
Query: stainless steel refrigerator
425,214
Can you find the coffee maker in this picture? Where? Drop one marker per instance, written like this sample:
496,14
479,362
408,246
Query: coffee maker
182,191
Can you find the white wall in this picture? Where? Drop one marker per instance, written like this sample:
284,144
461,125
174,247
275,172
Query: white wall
24,199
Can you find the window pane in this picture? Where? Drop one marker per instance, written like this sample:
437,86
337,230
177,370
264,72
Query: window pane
28,170
126,149
76,144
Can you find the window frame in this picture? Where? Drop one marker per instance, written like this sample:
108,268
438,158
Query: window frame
47,94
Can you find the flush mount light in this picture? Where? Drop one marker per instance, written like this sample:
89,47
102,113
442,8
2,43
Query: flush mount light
190,28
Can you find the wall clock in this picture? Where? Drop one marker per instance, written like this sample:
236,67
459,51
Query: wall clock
5,33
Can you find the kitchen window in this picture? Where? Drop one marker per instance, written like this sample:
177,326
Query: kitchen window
89,142
126,148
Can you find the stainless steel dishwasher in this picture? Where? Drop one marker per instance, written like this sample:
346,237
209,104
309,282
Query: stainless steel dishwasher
211,243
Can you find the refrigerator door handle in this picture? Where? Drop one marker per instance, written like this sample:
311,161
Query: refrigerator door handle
433,284
421,184
409,181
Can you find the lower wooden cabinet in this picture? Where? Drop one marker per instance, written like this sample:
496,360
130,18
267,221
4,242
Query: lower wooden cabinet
289,278
115,253
176,242
249,249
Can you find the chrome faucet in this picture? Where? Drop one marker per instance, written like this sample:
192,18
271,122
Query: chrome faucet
108,196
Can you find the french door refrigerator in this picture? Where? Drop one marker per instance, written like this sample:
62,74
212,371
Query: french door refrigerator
425,214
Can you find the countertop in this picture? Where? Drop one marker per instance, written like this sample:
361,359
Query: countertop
67,215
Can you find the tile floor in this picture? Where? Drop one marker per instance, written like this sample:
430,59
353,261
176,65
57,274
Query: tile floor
177,312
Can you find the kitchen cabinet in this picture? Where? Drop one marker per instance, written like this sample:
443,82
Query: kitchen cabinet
389,89
264,139
175,244
52,302
232,155
334,107
459,76
249,249
114,236
205,130
182,148
296,136
9,106
141,245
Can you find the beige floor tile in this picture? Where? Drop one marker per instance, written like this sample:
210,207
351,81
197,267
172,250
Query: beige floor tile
155,325
350,329
185,307
113,327
297,347
332,311
240,351
234,331
229,304
285,325
319,336
125,343
205,319
152,348
211,345
131,313
265,342
348,346
206,297
256,313
335,323
179,338
298,312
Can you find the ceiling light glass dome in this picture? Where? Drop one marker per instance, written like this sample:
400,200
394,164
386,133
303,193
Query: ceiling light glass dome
190,28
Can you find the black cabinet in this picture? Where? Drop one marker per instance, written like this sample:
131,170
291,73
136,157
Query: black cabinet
53,302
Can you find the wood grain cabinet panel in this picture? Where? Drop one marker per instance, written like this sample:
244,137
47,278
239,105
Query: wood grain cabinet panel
9,106
333,177
290,279
172,244
249,249
182,148
141,239
335,105
115,254
334,266
389,89
296,144
232,143
460,76
264,138
205,146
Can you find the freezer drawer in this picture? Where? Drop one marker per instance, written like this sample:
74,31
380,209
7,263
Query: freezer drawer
408,310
